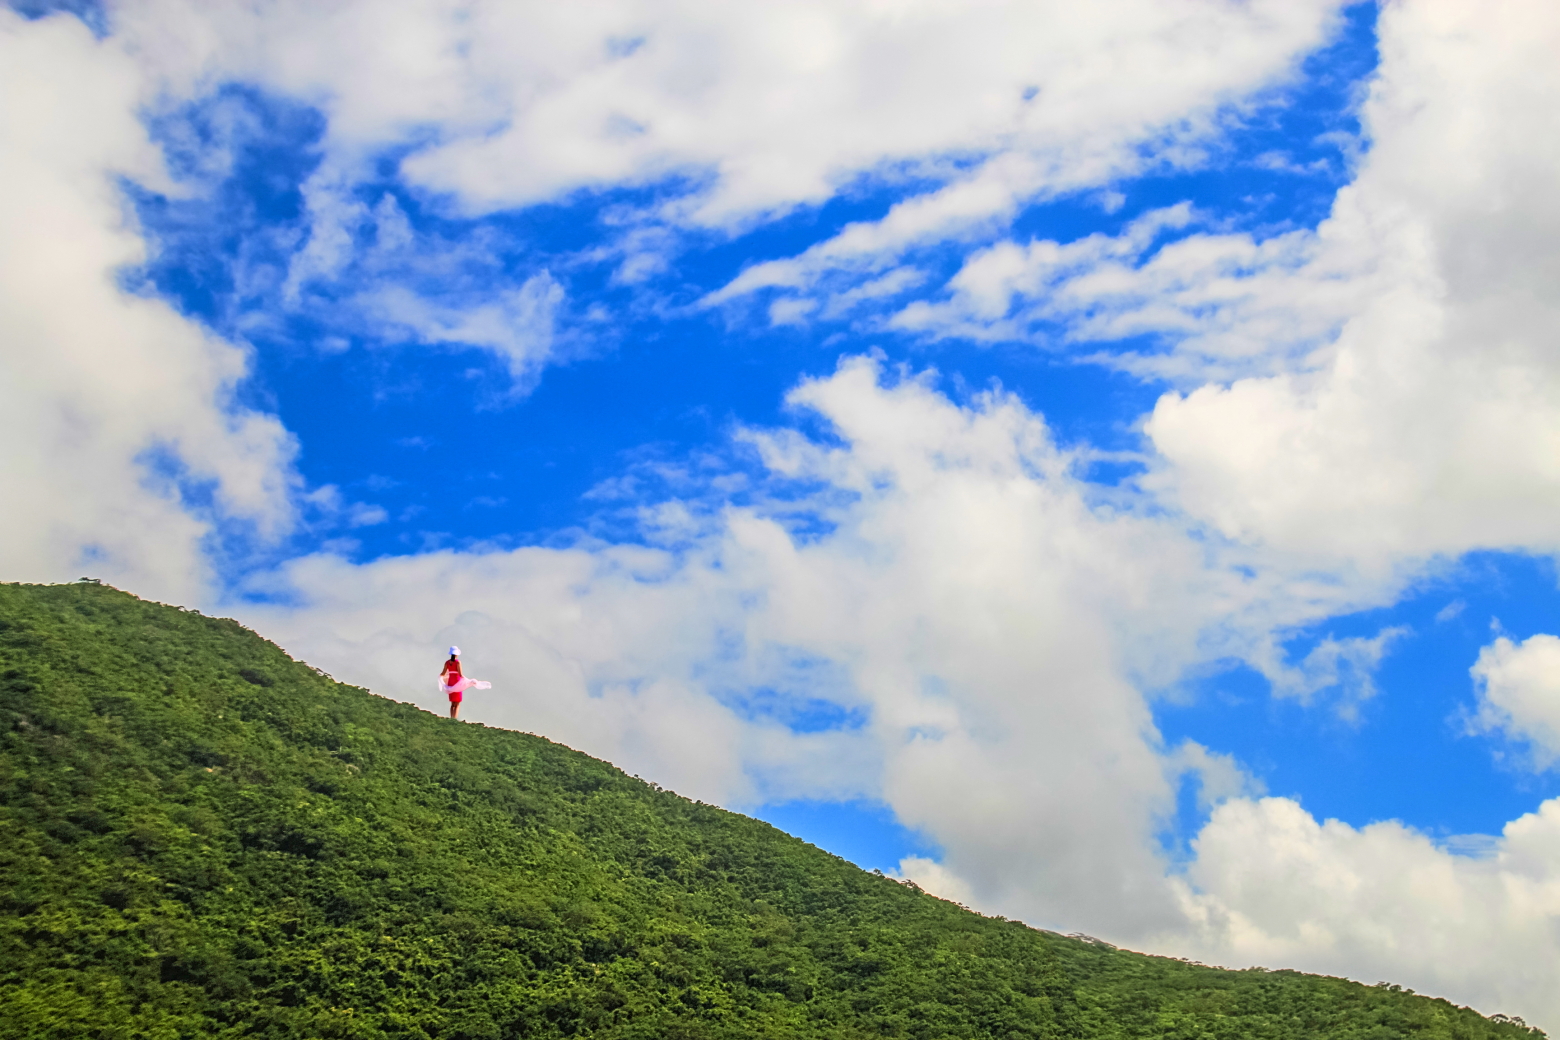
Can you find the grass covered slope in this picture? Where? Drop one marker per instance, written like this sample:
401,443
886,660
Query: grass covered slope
202,837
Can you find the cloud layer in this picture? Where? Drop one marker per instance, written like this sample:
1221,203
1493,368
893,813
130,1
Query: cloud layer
126,446
718,118
1519,693
995,621
1353,406
774,105
1272,885
970,600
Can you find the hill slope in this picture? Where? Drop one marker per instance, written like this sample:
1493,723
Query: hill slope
202,837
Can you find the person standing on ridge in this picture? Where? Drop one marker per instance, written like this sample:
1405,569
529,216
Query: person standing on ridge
452,682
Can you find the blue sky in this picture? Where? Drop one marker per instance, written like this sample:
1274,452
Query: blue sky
655,377
1409,755
655,382
1063,460
659,380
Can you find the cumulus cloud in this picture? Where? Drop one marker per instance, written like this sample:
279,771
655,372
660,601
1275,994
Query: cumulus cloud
1367,395
126,447
975,605
991,617
1272,885
1519,693
931,876
1428,427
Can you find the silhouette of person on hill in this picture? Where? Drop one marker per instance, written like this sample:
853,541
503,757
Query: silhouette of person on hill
452,682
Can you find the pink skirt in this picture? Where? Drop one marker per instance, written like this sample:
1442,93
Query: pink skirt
464,684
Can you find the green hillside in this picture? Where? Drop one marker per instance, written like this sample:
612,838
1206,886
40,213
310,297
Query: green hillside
201,837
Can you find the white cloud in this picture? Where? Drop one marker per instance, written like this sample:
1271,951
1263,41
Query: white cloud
520,325
1271,885
993,615
997,619
407,287
109,401
1519,693
1228,305
1426,430
1429,427
332,507
1371,394
931,876
971,598
789,310
757,109
782,101
1347,665
895,282
600,649
1219,777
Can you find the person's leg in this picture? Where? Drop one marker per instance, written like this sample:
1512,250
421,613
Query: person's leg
454,706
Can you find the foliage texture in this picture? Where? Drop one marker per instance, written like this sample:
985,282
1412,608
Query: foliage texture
201,837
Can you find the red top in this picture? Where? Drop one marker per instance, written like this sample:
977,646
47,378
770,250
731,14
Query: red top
451,673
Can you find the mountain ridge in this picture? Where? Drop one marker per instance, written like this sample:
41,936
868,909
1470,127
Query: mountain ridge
205,838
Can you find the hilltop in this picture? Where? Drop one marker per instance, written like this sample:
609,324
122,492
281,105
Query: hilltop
201,837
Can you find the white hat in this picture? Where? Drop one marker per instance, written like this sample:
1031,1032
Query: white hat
454,651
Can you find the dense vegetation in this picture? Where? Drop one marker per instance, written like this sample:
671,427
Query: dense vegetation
201,837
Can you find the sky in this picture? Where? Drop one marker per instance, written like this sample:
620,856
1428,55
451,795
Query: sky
1101,462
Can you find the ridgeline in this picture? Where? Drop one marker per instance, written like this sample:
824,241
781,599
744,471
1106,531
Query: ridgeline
201,837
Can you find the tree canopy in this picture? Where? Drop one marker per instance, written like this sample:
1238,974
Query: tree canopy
201,837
